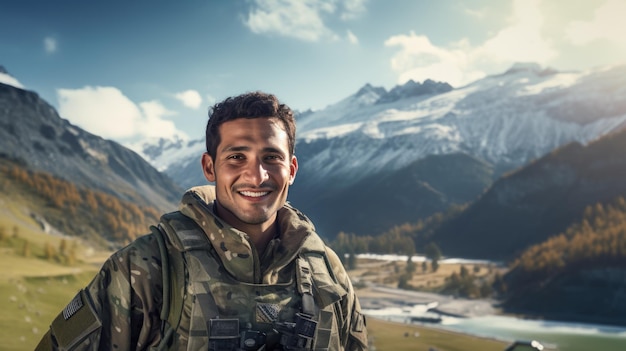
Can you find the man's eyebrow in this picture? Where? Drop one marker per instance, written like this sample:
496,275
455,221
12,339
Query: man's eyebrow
247,148
273,150
236,148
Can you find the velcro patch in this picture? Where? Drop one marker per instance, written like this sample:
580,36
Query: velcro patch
267,312
72,307
77,321
224,328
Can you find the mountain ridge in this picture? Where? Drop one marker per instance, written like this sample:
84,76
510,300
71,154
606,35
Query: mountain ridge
33,133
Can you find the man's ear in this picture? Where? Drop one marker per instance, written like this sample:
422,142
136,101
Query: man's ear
293,169
208,167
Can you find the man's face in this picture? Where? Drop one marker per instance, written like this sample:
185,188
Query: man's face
252,171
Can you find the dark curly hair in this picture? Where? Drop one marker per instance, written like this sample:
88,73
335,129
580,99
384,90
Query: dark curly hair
249,105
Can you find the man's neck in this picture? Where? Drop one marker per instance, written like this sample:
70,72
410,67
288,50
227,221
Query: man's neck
260,234
261,238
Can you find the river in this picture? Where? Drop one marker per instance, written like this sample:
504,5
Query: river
481,319
564,336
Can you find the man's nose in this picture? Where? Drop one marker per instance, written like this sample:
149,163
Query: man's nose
256,172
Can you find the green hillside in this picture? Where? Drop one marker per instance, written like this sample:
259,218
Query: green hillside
33,287
51,246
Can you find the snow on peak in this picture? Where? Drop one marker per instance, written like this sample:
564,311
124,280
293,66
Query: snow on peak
8,79
530,67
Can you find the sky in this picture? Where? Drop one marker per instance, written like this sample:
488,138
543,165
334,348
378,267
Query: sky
134,70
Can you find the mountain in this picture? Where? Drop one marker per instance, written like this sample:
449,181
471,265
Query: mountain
32,133
539,200
380,201
503,122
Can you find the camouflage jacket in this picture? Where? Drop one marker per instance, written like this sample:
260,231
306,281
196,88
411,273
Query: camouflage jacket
120,308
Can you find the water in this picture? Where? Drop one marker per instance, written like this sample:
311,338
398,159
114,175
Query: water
564,336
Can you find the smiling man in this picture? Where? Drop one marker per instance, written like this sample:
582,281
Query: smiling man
237,268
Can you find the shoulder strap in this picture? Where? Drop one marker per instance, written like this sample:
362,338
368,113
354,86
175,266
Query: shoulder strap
171,247
328,288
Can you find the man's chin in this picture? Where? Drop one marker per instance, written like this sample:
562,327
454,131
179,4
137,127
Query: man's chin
254,218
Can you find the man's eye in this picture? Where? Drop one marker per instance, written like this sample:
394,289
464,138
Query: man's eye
273,158
235,157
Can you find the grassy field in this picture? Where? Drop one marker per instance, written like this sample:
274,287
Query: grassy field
389,336
30,304
34,290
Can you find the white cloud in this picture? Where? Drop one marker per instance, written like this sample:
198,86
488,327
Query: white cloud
290,18
300,19
459,63
352,38
419,59
605,24
352,9
50,45
190,98
107,112
152,125
522,40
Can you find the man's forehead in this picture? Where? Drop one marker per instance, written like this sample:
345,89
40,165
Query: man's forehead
243,133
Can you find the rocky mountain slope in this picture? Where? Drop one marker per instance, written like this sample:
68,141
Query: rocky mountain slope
32,133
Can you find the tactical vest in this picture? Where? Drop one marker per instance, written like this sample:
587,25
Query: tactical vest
209,309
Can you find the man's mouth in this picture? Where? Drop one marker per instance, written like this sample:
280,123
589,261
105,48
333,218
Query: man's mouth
254,193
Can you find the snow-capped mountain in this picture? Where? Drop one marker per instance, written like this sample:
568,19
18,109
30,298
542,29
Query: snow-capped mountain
502,121
162,152
506,120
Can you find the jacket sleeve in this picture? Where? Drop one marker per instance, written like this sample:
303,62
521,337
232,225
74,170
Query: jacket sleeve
118,310
354,330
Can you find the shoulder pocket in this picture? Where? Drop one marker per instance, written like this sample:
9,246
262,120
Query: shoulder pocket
77,320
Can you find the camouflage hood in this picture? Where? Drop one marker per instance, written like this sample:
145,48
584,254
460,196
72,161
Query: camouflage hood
234,247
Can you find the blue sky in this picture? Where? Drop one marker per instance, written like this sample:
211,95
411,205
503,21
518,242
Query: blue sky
130,70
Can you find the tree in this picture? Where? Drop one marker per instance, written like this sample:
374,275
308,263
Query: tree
49,251
433,253
351,264
26,251
410,265
63,247
464,272
434,265
403,282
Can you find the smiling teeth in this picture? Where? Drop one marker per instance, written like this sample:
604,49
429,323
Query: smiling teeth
253,194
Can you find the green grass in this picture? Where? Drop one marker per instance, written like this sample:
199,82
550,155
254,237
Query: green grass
390,336
33,290
30,304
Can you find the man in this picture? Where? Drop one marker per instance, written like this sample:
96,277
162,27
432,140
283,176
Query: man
242,269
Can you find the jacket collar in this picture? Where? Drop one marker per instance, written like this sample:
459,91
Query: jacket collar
234,247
